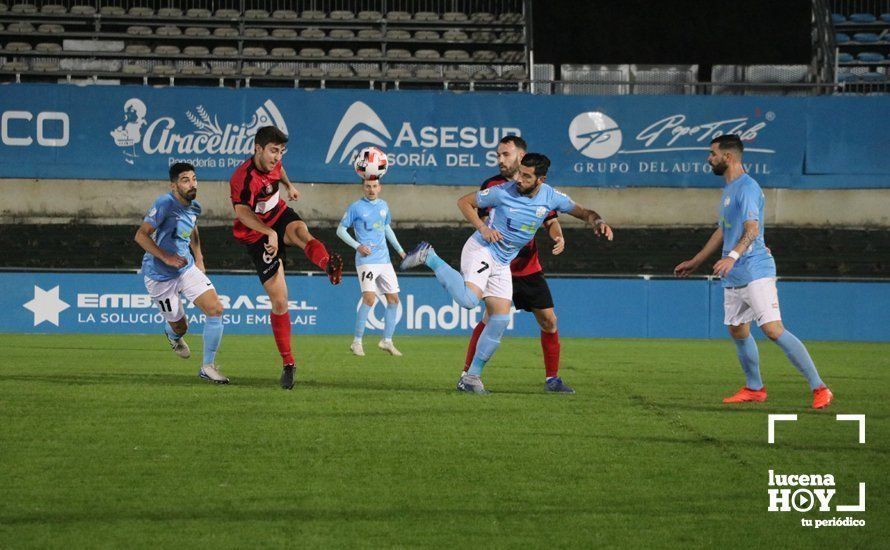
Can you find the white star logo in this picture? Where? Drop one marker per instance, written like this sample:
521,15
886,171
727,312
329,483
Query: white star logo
46,305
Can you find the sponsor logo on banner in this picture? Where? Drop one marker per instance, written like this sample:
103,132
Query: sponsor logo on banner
598,136
415,144
422,316
202,139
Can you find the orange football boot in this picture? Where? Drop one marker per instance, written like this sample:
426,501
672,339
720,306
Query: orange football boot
747,394
822,397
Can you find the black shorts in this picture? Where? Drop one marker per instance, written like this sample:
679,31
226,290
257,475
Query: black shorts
266,266
532,292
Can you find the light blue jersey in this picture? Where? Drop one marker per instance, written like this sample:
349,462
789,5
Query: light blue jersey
516,216
369,219
743,201
173,225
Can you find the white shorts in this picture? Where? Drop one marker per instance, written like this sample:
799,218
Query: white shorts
479,267
759,301
192,282
377,278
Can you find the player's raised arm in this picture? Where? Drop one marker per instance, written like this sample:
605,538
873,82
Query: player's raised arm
469,207
195,245
143,239
684,269
600,227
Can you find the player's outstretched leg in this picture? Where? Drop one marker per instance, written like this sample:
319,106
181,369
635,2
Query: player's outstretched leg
448,277
175,337
799,356
361,317
209,303
389,327
474,341
489,341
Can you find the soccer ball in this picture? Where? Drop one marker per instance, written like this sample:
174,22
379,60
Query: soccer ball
371,163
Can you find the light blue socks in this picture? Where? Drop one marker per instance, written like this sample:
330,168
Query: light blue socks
799,356
453,281
389,323
213,331
169,330
489,341
361,317
749,357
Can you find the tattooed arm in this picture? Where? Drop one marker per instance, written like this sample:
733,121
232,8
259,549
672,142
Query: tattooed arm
724,266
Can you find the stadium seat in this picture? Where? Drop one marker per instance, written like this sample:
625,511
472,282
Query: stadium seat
285,15
23,9
486,73
370,34
510,37
455,36
455,17
841,38
398,73
341,52
137,49
484,55
513,56
660,80
426,16
3,8
45,66
515,74
369,15
163,70
869,57
198,13
313,15
779,74
311,52
429,36
255,32
862,18
254,70
872,78
194,70
456,55
165,49
166,13
168,30
310,72
223,70
225,32
48,47
885,17
342,15
338,71
133,69
18,47
508,18
140,11
367,70
50,28
83,10
595,79
139,30
283,52
15,66
312,33
482,17
398,34
865,37
426,54
844,57
369,53
254,52
398,53
256,14
227,14
20,27
451,73
53,9
427,73
196,51
397,15
342,34
483,37
112,11
225,51
196,31
282,70
288,34
838,18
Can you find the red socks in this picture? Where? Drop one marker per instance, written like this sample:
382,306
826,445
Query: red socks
281,330
550,346
317,253
471,349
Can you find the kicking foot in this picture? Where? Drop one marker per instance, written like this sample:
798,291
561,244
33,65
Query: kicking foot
417,256
334,269
470,383
211,373
745,395
357,349
556,385
387,345
179,347
287,376
822,397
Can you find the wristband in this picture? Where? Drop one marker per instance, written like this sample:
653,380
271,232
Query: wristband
733,254
599,221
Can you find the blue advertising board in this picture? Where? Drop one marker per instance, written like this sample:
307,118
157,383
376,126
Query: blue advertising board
635,307
136,132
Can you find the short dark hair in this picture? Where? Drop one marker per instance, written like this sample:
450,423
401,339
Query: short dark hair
177,170
515,140
269,134
729,142
538,161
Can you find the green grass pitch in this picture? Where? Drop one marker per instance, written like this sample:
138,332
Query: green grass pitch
112,441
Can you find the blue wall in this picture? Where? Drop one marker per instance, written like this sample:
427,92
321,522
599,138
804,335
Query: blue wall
587,307
136,132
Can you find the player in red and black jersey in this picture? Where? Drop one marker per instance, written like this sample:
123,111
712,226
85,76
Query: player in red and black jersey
530,289
265,224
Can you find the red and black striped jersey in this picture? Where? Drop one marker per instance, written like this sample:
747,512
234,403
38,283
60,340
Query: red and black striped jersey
259,191
527,261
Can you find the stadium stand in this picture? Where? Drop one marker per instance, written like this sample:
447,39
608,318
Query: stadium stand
863,45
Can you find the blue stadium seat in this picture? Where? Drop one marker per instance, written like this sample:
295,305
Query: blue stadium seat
872,77
862,18
838,18
867,37
870,57
885,17
844,57
847,77
841,38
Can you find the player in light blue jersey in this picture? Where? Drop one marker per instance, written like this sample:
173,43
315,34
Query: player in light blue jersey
173,264
749,276
517,210
370,219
